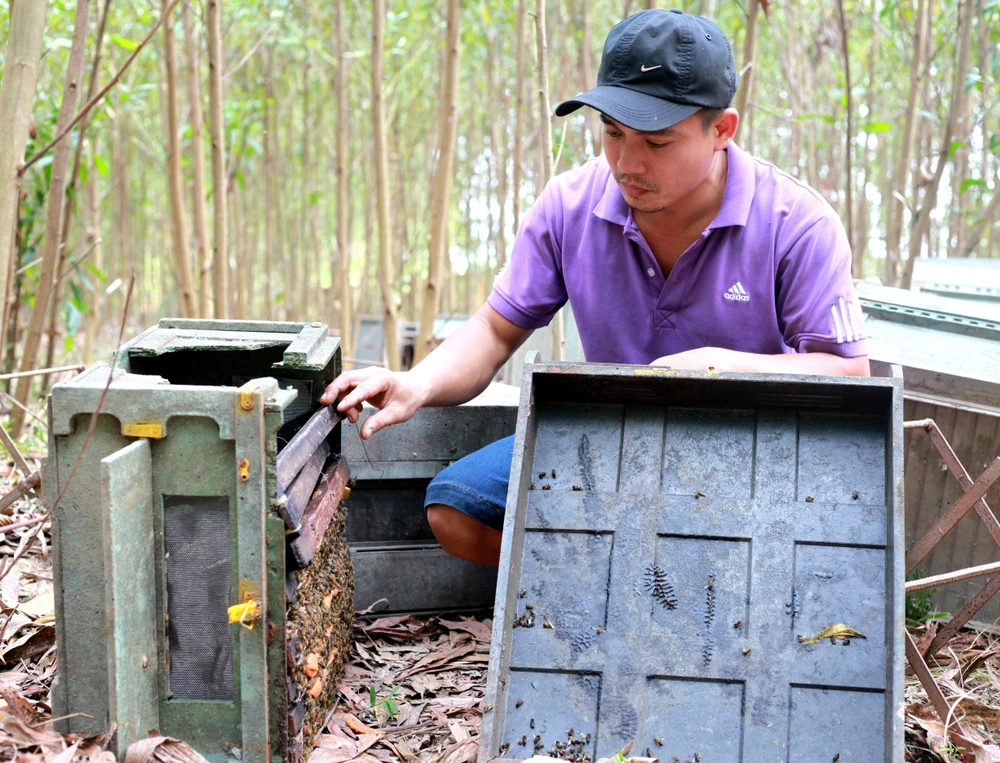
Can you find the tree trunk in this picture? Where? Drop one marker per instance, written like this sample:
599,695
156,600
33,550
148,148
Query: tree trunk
56,300
545,116
178,217
97,258
53,222
202,260
747,74
792,66
343,200
238,305
518,151
220,252
958,230
587,71
17,93
861,218
381,157
441,186
858,256
921,227
989,215
269,180
900,175
120,239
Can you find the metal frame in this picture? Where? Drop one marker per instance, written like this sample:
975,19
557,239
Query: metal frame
972,498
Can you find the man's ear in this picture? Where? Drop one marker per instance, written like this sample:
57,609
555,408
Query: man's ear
724,128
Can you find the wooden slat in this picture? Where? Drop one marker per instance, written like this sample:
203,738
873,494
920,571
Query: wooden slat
936,478
921,453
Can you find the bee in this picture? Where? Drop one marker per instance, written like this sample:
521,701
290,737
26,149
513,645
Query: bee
546,487
836,757
737,623
531,725
553,474
699,494
711,582
522,593
809,499
529,606
746,651
697,758
524,740
658,741
504,747
855,496
519,703
599,629
531,486
578,488
547,624
541,475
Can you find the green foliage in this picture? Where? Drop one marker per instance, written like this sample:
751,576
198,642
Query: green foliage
971,183
388,704
876,127
919,607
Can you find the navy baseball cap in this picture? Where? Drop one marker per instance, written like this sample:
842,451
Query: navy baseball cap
658,68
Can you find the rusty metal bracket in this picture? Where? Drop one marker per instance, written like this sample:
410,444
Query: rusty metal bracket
972,498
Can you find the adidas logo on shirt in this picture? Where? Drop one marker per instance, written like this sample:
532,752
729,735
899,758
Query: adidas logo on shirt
737,293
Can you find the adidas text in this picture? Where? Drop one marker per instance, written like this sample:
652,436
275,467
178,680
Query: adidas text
737,293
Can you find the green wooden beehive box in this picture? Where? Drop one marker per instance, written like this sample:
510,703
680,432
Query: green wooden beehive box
171,518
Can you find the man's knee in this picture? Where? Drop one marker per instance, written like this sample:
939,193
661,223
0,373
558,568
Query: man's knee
462,536
438,518
450,526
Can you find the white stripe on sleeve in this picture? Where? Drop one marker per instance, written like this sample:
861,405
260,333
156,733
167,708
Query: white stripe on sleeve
848,326
836,323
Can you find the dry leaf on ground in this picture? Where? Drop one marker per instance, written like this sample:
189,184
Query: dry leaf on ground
162,750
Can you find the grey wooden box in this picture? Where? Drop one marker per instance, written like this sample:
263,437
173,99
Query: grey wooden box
674,534
395,555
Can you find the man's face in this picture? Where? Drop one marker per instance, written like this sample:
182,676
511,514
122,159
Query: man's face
655,170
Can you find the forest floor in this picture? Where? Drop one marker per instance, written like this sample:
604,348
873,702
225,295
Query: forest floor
414,687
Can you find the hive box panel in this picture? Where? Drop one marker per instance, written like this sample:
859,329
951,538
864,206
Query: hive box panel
673,540
397,560
167,516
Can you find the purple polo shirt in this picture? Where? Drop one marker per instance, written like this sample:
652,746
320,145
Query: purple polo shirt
771,274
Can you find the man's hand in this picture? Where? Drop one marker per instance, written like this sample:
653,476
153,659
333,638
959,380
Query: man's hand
719,359
396,395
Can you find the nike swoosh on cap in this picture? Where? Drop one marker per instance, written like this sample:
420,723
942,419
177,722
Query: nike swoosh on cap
645,68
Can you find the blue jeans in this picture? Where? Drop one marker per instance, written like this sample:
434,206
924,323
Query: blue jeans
477,484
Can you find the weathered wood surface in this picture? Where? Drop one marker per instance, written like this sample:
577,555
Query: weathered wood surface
930,490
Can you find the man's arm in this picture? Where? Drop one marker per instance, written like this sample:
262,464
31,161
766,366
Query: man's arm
453,373
719,359
466,362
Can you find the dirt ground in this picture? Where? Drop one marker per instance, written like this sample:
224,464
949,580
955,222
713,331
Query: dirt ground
414,687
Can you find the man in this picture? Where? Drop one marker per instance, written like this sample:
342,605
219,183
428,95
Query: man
675,248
